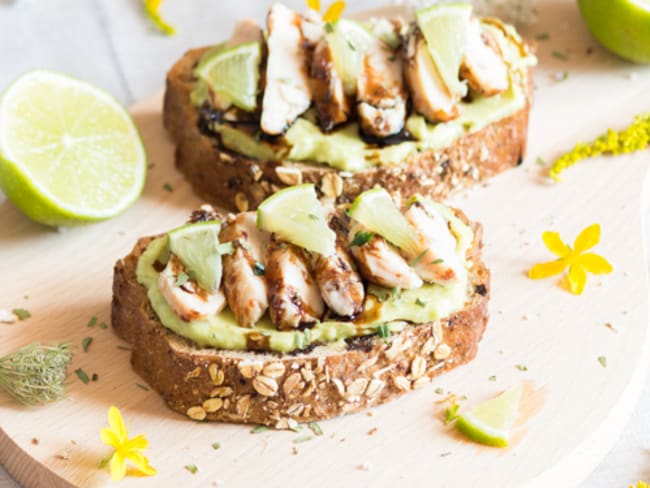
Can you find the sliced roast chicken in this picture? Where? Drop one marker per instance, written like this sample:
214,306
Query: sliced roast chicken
483,66
332,103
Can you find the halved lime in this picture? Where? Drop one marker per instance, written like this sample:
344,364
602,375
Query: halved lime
622,26
69,152
197,246
445,27
490,422
377,212
234,74
349,42
296,215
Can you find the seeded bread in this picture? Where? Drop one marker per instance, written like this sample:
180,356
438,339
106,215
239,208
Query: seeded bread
279,389
234,181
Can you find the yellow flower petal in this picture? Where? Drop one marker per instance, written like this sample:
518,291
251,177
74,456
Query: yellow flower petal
544,270
595,264
109,437
152,10
117,424
334,11
314,5
141,462
577,279
587,239
138,443
555,244
118,467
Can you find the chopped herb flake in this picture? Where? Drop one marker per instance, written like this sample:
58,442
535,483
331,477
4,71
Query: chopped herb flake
313,216
328,27
361,238
420,303
226,248
383,331
85,344
259,429
92,322
81,374
21,313
439,391
392,58
418,258
216,445
381,294
143,387
544,36
303,438
445,454
259,269
395,293
104,462
182,279
192,468
492,378
451,413
168,187
559,55
540,161
103,325
437,261
124,348
94,377
603,361
522,367
315,428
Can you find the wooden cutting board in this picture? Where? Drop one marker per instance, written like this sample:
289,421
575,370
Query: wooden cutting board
575,408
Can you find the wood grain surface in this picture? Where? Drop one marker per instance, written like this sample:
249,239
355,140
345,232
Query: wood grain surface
576,416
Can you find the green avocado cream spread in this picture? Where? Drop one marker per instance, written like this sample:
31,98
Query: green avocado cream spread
385,311
345,150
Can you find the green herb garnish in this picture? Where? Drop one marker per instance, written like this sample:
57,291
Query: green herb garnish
418,258
540,161
259,428
328,27
361,238
21,313
559,55
181,279
143,387
439,391
420,303
451,413
81,374
168,187
103,325
544,36
603,361
85,344
315,428
94,377
437,261
522,367
216,445
303,438
383,331
192,468
492,378
35,374
91,322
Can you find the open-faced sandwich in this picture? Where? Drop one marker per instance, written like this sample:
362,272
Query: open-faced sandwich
417,107
304,309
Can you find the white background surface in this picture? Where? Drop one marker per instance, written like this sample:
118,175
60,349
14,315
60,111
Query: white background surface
110,43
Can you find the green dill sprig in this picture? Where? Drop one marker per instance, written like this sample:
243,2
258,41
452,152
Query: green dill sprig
35,374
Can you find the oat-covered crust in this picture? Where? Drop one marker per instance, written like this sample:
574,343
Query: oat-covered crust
234,181
279,389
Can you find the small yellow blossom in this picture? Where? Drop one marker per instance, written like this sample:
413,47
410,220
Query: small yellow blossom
640,484
578,262
152,10
117,436
333,12
634,138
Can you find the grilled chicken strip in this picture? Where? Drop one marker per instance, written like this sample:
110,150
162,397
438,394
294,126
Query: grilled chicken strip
339,283
381,263
381,97
294,298
188,300
431,96
483,67
332,104
287,93
243,279
437,261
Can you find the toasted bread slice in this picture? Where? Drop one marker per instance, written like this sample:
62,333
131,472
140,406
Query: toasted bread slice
314,384
235,181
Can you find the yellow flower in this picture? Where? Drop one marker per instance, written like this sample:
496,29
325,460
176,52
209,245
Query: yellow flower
117,436
640,484
578,262
152,10
333,12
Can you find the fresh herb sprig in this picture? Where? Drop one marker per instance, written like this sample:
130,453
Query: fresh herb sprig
35,374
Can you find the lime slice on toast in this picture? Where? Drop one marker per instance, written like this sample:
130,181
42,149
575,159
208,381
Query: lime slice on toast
446,29
377,212
197,246
490,422
234,74
296,215
349,42
69,152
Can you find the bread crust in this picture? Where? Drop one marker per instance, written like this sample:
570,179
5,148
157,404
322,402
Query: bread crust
234,181
279,389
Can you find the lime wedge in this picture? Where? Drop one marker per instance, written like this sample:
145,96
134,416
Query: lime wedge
197,246
296,215
234,74
445,27
377,212
69,152
349,42
490,422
